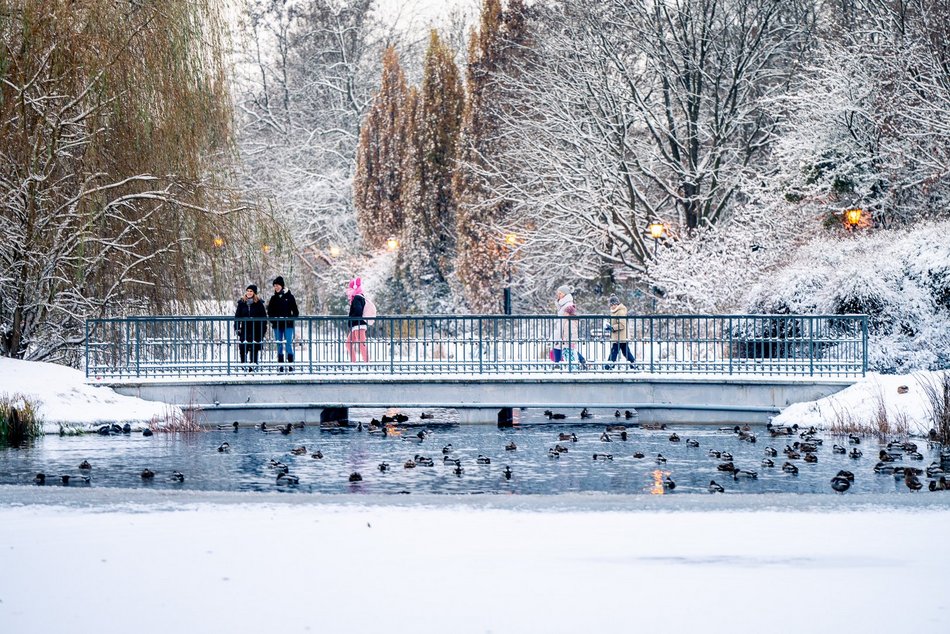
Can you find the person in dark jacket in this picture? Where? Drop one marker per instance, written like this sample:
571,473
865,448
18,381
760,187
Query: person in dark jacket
356,338
281,308
250,332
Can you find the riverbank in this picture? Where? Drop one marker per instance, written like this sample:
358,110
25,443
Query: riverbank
62,397
117,561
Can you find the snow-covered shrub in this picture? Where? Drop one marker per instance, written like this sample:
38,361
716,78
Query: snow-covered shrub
899,278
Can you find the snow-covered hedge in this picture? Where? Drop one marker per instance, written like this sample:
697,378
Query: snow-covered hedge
901,278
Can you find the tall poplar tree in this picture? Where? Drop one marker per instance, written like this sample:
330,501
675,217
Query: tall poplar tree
483,256
378,184
429,202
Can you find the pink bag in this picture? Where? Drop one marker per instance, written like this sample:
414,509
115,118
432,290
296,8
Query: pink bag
555,355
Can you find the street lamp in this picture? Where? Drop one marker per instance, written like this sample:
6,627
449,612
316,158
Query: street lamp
334,251
392,244
852,217
512,241
657,230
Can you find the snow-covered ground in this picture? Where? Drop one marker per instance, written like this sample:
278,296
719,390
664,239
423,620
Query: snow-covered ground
63,396
865,401
541,564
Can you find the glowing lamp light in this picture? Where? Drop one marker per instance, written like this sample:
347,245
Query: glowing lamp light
657,229
334,251
218,243
392,244
511,239
266,248
852,217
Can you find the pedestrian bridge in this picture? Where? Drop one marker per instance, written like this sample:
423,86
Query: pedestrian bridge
689,368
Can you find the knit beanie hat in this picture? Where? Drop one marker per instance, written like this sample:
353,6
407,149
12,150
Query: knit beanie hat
252,287
565,289
614,300
279,280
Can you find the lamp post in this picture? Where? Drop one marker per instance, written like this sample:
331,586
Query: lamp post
657,230
852,218
511,240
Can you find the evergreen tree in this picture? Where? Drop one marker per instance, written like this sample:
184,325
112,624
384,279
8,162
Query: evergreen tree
429,202
378,184
483,256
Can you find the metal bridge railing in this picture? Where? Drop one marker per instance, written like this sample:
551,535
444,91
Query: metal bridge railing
778,345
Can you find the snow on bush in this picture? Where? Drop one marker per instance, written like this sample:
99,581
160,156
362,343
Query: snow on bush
900,278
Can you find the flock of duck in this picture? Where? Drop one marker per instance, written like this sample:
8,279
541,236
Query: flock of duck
802,446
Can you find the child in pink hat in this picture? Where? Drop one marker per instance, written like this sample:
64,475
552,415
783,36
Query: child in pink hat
356,339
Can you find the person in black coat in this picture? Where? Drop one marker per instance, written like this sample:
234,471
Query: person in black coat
281,308
250,333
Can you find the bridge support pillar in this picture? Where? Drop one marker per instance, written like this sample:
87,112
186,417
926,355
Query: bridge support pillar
334,414
484,415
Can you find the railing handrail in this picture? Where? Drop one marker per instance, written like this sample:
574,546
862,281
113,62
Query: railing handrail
800,344
488,316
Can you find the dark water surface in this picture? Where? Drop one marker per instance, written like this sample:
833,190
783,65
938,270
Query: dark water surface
117,461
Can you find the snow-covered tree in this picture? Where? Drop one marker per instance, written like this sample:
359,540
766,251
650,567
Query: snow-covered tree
115,131
630,111
483,255
378,183
306,76
428,242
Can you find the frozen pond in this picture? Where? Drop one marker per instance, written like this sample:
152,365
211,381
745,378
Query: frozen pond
117,461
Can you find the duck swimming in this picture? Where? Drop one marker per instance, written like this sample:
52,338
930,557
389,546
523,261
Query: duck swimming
771,452
603,456
855,453
409,464
914,455
939,484
742,473
85,466
146,432
615,428
623,435
447,449
40,479
224,447
767,462
356,477
884,468
638,455
147,474
712,453
507,473
715,488
840,484
572,437
554,453
605,437
560,449
178,476
660,459
883,456
423,461
299,451
482,459
286,478
912,482
811,458
317,455
458,470
674,437
788,467
838,449
854,440
692,443
725,455
668,484
933,470
426,416
728,467
383,467
628,414
511,446
586,414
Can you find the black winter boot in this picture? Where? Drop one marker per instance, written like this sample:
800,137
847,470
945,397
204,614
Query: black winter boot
280,362
290,363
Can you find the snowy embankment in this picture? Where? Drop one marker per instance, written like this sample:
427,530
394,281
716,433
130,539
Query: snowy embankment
900,399
330,567
63,397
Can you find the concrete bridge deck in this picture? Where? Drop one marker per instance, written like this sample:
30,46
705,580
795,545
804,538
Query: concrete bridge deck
308,398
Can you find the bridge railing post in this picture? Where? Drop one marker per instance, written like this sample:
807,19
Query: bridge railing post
651,342
811,346
138,355
864,345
